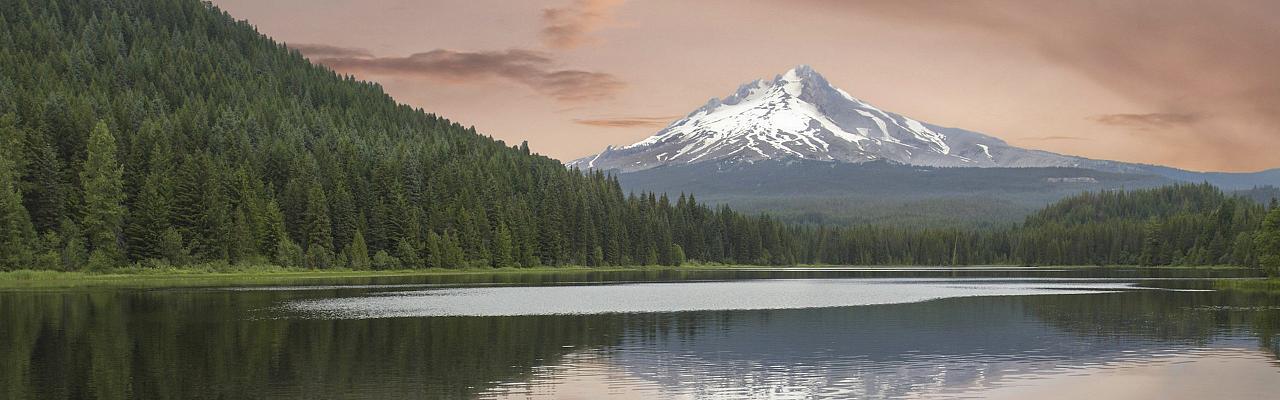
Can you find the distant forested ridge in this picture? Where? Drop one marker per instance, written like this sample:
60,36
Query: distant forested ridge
164,132
1174,225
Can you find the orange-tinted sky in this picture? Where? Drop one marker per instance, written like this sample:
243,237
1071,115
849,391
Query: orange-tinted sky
1187,83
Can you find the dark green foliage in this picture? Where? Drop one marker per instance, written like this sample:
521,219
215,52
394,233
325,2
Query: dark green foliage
358,252
17,236
1268,242
384,261
1183,225
150,216
103,199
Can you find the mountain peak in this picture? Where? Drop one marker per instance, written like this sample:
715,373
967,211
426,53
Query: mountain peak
800,115
800,72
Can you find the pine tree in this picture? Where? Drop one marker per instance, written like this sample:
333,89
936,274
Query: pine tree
502,247
316,221
597,257
16,232
358,251
345,216
188,205
74,252
1268,242
243,247
385,261
451,255
434,250
216,226
172,248
408,255
677,255
1153,244
269,229
44,187
103,199
149,219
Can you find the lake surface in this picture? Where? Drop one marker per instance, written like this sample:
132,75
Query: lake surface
854,332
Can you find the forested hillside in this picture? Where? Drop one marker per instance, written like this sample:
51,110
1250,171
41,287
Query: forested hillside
1187,224
141,130
880,192
1173,225
164,132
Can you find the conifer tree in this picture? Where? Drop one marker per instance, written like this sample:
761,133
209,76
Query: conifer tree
103,199
16,232
149,219
316,221
44,187
358,252
1268,242
1152,245
434,250
451,252
677,255
345,216
501,253
407,253
74,252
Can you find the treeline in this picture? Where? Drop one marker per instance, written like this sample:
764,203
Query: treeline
1174,225
1182,225
164,132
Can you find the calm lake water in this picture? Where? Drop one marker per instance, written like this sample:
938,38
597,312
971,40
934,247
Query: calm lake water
901,333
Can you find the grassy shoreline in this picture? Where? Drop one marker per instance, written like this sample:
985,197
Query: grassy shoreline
270,274
250,275
1267,285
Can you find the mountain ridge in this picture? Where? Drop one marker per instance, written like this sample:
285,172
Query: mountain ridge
801,115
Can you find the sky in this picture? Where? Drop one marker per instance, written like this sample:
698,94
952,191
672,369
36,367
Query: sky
1185,83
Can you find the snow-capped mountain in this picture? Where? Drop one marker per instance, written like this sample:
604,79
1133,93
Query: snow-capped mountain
799,115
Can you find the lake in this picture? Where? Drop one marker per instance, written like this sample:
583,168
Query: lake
742,333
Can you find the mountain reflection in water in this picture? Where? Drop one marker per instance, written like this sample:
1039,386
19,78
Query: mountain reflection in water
217,343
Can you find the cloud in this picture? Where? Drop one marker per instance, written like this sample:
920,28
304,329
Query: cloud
569,26
627,122
533,69
325,51
1147,121
1206,70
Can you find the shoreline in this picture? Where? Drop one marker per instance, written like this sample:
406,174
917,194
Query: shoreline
264,275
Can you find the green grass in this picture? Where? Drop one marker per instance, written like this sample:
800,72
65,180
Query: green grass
248,275
258,275
1269,285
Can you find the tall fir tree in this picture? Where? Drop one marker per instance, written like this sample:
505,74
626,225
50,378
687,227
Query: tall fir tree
16,232
318,243
104,197
358,252
1268,242
149,218
502,247
44,186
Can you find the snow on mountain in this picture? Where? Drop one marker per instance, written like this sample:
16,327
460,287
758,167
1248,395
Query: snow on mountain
799,115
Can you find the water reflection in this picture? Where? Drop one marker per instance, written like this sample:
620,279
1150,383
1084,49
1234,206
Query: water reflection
207,343
769,294
941,348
